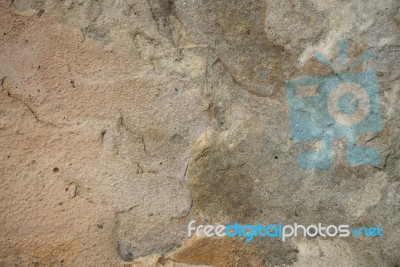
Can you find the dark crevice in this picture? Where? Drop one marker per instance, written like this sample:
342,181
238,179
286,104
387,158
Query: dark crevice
30,109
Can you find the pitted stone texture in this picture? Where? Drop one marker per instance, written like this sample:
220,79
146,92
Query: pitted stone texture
121,121
95,142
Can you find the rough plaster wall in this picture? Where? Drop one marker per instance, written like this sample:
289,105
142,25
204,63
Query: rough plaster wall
121,121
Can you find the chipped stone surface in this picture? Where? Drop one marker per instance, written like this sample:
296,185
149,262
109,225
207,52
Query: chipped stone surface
121,121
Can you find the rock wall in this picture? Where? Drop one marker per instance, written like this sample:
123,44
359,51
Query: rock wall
122,121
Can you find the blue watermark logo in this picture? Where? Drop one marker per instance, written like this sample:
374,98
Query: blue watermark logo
281,231
345,104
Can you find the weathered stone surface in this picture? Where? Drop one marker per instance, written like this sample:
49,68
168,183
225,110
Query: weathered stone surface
121,121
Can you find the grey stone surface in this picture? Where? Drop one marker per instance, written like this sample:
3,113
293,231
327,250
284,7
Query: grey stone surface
121,121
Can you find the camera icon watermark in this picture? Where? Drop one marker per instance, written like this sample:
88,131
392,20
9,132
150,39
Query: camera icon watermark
345,104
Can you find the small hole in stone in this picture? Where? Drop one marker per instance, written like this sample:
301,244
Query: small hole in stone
55,170
276,157
40,13
160,163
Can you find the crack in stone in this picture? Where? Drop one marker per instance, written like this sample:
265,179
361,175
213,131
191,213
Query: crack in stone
372,138
25,104
385,161
102,134
140,171
78,194
122,122
2,81
30,109
127,210
185,214
144,146
235,80
185,173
